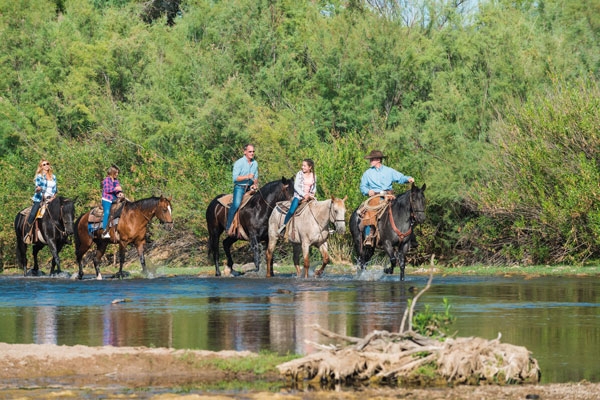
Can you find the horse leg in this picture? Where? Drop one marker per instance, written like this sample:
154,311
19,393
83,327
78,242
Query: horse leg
83,244
296,256
122,260
22,254
140,250
255,246
35,271
227,243
402,257
389,249
55,259
100,249
269,255
325,255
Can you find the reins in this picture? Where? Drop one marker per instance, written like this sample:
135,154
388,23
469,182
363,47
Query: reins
403,235
55,223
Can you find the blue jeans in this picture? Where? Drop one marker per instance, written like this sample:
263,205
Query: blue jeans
34,210
292,210
106,209
238,195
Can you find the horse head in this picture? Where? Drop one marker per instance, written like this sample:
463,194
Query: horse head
164,212
417,203
337,214
68,214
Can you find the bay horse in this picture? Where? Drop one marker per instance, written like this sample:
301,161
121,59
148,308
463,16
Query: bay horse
308,227
395,229
131,229
52,229
253,218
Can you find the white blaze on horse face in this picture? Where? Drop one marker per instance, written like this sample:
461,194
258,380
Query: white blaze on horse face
169,208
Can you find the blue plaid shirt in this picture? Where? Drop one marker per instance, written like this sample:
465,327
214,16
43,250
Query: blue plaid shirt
41,181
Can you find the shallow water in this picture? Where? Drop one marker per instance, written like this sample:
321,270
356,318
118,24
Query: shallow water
556,318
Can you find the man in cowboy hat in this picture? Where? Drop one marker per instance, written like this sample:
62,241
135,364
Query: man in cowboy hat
377,180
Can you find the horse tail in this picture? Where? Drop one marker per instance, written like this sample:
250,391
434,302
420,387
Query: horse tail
19,222
212,225
77,237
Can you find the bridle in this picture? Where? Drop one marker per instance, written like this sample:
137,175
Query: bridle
57,224
412,220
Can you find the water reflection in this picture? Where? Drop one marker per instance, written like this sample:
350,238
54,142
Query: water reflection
558,319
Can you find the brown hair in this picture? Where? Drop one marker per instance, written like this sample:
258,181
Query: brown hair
112,170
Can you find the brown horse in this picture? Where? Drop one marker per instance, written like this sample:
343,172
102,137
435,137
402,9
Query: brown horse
131,229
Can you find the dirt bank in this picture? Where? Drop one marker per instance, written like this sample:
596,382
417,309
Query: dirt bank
41,371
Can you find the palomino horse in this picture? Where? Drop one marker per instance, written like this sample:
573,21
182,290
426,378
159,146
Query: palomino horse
52,230
308,227
253,219
395,228
131,229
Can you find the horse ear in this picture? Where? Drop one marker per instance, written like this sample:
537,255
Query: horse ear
345,198
423,187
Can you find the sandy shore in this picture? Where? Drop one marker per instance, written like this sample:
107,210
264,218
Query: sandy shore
42,371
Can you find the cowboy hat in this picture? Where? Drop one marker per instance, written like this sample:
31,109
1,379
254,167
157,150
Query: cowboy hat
374,154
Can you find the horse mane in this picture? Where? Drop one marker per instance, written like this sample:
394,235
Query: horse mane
266,190
142,203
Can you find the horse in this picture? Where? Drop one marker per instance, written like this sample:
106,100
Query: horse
395,229
308,227
131,229
253,219
52,229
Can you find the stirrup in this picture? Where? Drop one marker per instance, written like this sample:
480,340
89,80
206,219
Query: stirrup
281,230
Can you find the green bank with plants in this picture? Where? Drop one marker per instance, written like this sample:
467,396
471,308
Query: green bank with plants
493,104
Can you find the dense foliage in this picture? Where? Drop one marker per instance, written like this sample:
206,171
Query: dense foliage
493,104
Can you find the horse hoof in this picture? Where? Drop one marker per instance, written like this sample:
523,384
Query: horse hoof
388,271
236,273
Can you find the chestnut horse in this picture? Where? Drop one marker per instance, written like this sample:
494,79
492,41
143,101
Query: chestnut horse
130,229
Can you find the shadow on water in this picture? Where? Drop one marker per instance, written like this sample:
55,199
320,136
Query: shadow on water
558,319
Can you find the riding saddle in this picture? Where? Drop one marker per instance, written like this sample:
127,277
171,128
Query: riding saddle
236,229
370,212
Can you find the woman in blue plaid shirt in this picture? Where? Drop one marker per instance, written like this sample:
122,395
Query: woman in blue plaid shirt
45,189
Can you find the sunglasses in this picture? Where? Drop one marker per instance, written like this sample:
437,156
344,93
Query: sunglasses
44,164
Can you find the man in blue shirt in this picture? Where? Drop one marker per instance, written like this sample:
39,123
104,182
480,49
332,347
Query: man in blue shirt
245,177
378,179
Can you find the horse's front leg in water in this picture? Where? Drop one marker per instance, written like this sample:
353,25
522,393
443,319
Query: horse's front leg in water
389,249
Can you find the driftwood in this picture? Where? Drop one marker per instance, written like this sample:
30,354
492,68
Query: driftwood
388,357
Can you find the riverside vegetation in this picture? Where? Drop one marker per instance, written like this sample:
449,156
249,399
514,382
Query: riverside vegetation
493,104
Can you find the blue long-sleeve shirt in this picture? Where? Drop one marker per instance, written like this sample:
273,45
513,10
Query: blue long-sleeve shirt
243,167
380,179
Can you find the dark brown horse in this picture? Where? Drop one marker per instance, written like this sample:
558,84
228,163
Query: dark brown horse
253,218
395,229
131,229
52,229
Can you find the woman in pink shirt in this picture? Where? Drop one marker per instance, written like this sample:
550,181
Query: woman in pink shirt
305,187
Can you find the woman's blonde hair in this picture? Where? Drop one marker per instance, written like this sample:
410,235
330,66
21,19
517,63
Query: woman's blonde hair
40,167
